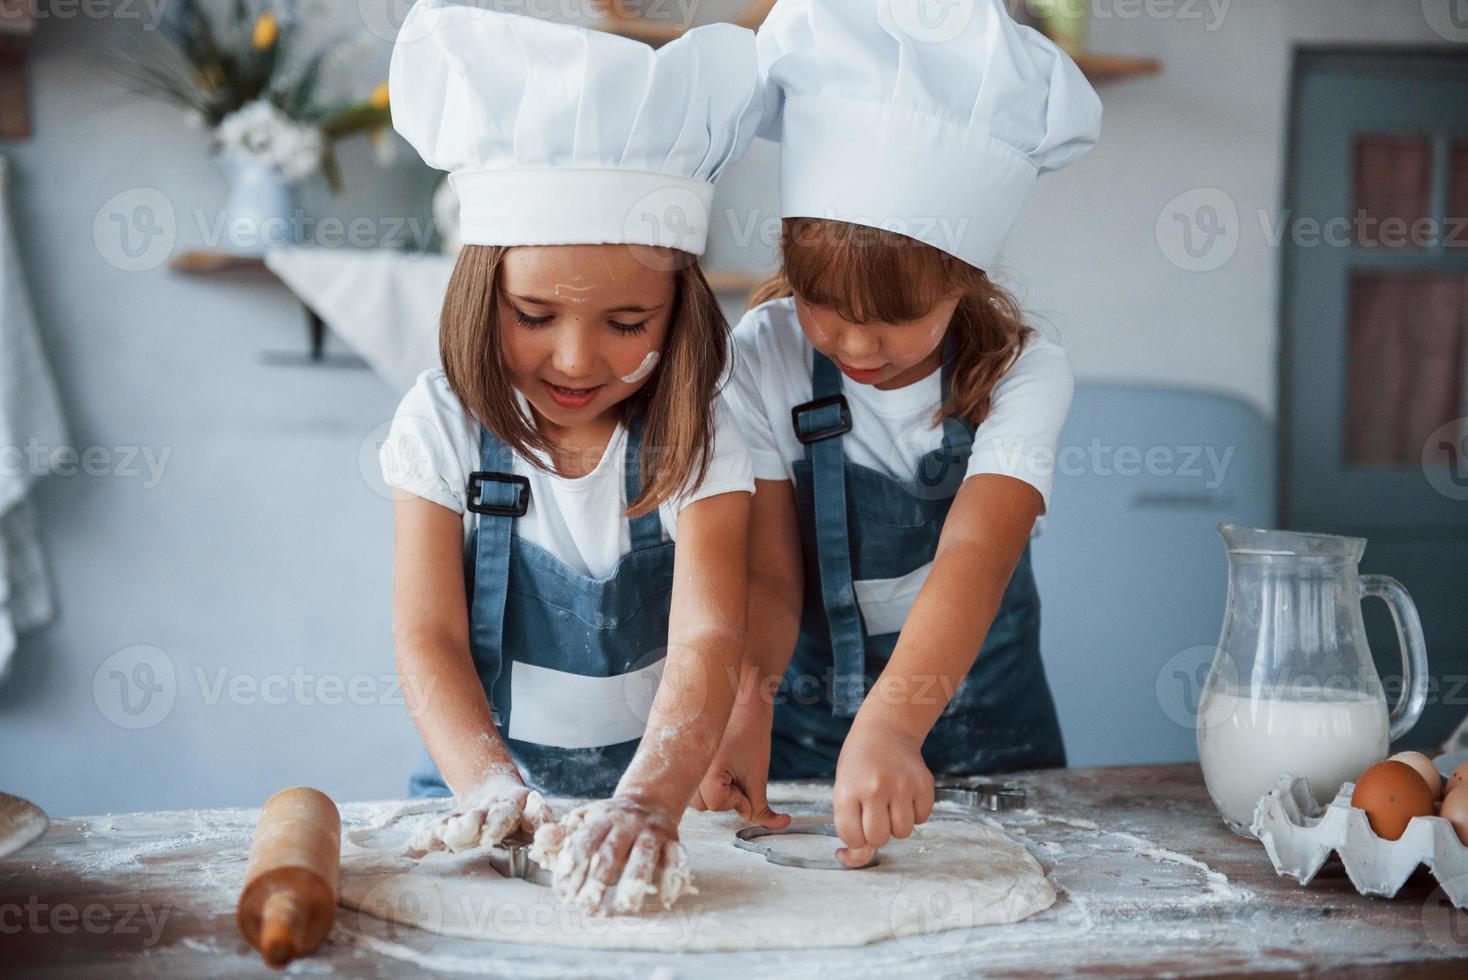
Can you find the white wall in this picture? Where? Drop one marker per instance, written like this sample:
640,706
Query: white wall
264,554
261,552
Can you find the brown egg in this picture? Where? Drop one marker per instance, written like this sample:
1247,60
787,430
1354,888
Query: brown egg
1458,778
1425,768
1455,811
1392,793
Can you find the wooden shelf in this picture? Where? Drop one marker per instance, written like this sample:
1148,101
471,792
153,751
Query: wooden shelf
17,24
1114,67
201,262
648,32
614,20
742,283
205,263
617,20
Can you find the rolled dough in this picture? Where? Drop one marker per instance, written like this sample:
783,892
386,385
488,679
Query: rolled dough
951,874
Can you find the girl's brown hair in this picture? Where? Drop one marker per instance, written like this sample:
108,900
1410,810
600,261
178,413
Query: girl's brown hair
677,404
870,275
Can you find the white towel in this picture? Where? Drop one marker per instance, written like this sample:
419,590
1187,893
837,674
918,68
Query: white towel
30,420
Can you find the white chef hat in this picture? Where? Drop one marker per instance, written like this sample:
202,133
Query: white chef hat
927,118
558,135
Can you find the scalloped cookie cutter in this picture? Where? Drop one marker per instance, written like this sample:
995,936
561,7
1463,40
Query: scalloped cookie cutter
747,840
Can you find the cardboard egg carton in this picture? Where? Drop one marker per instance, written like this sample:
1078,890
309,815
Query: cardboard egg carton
1299,835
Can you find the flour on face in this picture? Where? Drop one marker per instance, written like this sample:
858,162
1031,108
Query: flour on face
644,369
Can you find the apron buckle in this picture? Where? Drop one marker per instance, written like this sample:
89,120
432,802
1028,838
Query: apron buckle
842,423
521,502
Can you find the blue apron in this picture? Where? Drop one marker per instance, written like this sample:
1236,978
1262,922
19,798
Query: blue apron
858,524
531,616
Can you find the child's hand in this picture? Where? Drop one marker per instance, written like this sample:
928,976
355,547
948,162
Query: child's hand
499,807
612,855
738,777
883,788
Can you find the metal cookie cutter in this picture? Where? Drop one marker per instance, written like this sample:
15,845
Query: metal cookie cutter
746,840
511,858
995,797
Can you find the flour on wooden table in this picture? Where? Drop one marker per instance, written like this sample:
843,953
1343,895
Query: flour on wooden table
951,874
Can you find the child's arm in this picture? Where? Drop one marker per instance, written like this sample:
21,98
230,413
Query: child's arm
740,771
882,785
441,686
638,828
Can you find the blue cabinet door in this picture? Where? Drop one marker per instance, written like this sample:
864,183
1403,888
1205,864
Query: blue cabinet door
1374,336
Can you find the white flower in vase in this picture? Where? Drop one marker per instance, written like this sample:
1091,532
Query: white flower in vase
267,155
266,135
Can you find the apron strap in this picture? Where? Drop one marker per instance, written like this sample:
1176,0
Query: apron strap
944,468
819,424
646,530
498,496
833,544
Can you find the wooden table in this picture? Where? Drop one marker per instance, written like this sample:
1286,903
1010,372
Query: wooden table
1151,882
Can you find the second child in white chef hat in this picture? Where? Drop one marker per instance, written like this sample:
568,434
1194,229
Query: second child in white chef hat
900,414
549,637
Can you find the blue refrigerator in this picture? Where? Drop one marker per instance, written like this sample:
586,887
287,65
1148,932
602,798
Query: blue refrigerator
1132,572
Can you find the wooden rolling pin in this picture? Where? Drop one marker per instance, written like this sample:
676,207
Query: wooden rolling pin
289,899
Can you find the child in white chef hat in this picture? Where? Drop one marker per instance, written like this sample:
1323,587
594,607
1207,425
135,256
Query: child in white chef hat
544,621
900,413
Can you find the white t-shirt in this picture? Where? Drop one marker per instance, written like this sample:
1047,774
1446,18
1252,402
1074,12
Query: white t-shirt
433,446
892,430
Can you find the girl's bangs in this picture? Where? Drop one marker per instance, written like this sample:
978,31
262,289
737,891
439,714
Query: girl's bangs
865,274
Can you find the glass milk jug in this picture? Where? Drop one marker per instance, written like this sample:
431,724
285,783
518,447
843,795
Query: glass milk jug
1293,688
